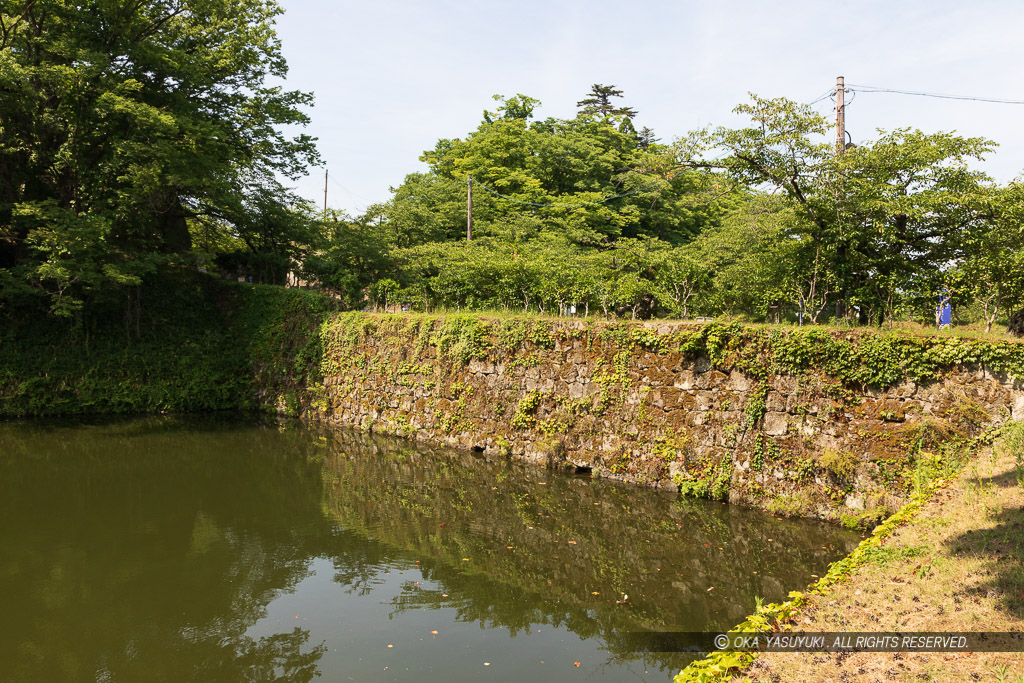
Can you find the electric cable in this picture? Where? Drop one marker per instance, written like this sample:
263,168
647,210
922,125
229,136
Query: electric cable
994,100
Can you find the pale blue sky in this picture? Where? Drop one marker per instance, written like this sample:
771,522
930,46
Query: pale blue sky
393,76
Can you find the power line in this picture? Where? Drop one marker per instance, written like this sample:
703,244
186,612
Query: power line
995,100
827,93
348,191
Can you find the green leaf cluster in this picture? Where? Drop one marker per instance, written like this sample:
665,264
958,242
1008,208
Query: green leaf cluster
132,133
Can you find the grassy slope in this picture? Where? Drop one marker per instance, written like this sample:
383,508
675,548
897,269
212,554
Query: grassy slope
952,560
958,566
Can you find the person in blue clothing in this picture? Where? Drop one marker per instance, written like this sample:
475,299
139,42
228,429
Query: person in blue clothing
944,311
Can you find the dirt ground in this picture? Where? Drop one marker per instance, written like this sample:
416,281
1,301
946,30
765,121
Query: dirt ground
957,566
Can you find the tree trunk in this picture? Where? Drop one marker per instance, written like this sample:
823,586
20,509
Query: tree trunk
1016,326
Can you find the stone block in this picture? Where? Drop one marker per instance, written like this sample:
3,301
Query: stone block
704,400
702,364
683,380
1018,408
659,376
785,385
665,397
776,424
904,389
738,381
546,385
712,379
775,402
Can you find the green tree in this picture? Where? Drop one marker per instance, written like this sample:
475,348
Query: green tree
992,271
582,177
877,218
598,102
352,259
122,123
681,275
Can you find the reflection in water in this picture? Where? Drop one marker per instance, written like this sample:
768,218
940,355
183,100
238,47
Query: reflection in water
217,548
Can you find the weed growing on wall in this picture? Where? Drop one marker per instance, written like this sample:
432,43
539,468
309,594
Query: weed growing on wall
525,415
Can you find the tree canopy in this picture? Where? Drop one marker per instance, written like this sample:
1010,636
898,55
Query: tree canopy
599,102
763,220
121,123
583,176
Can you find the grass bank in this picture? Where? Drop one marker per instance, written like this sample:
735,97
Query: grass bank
951,560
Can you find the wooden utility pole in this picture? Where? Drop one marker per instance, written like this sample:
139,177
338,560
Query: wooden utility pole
840,115
325,194
469,208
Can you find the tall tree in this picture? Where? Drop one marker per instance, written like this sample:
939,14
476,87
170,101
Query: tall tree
599,102
121,122
992,273
584,176
882,220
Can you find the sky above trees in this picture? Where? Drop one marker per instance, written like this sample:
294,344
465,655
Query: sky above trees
392,78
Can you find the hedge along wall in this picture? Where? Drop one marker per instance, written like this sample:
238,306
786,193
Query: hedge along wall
183,342
839,426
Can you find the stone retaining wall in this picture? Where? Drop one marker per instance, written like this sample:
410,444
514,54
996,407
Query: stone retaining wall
632,403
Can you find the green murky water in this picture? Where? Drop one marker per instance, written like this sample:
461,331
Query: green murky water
224,548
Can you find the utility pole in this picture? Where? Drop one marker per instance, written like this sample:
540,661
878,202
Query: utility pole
469,208
325,193
840,115
842,311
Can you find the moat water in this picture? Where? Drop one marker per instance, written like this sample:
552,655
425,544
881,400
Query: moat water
215,547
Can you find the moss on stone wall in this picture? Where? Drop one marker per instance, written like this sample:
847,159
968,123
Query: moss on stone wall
801,421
